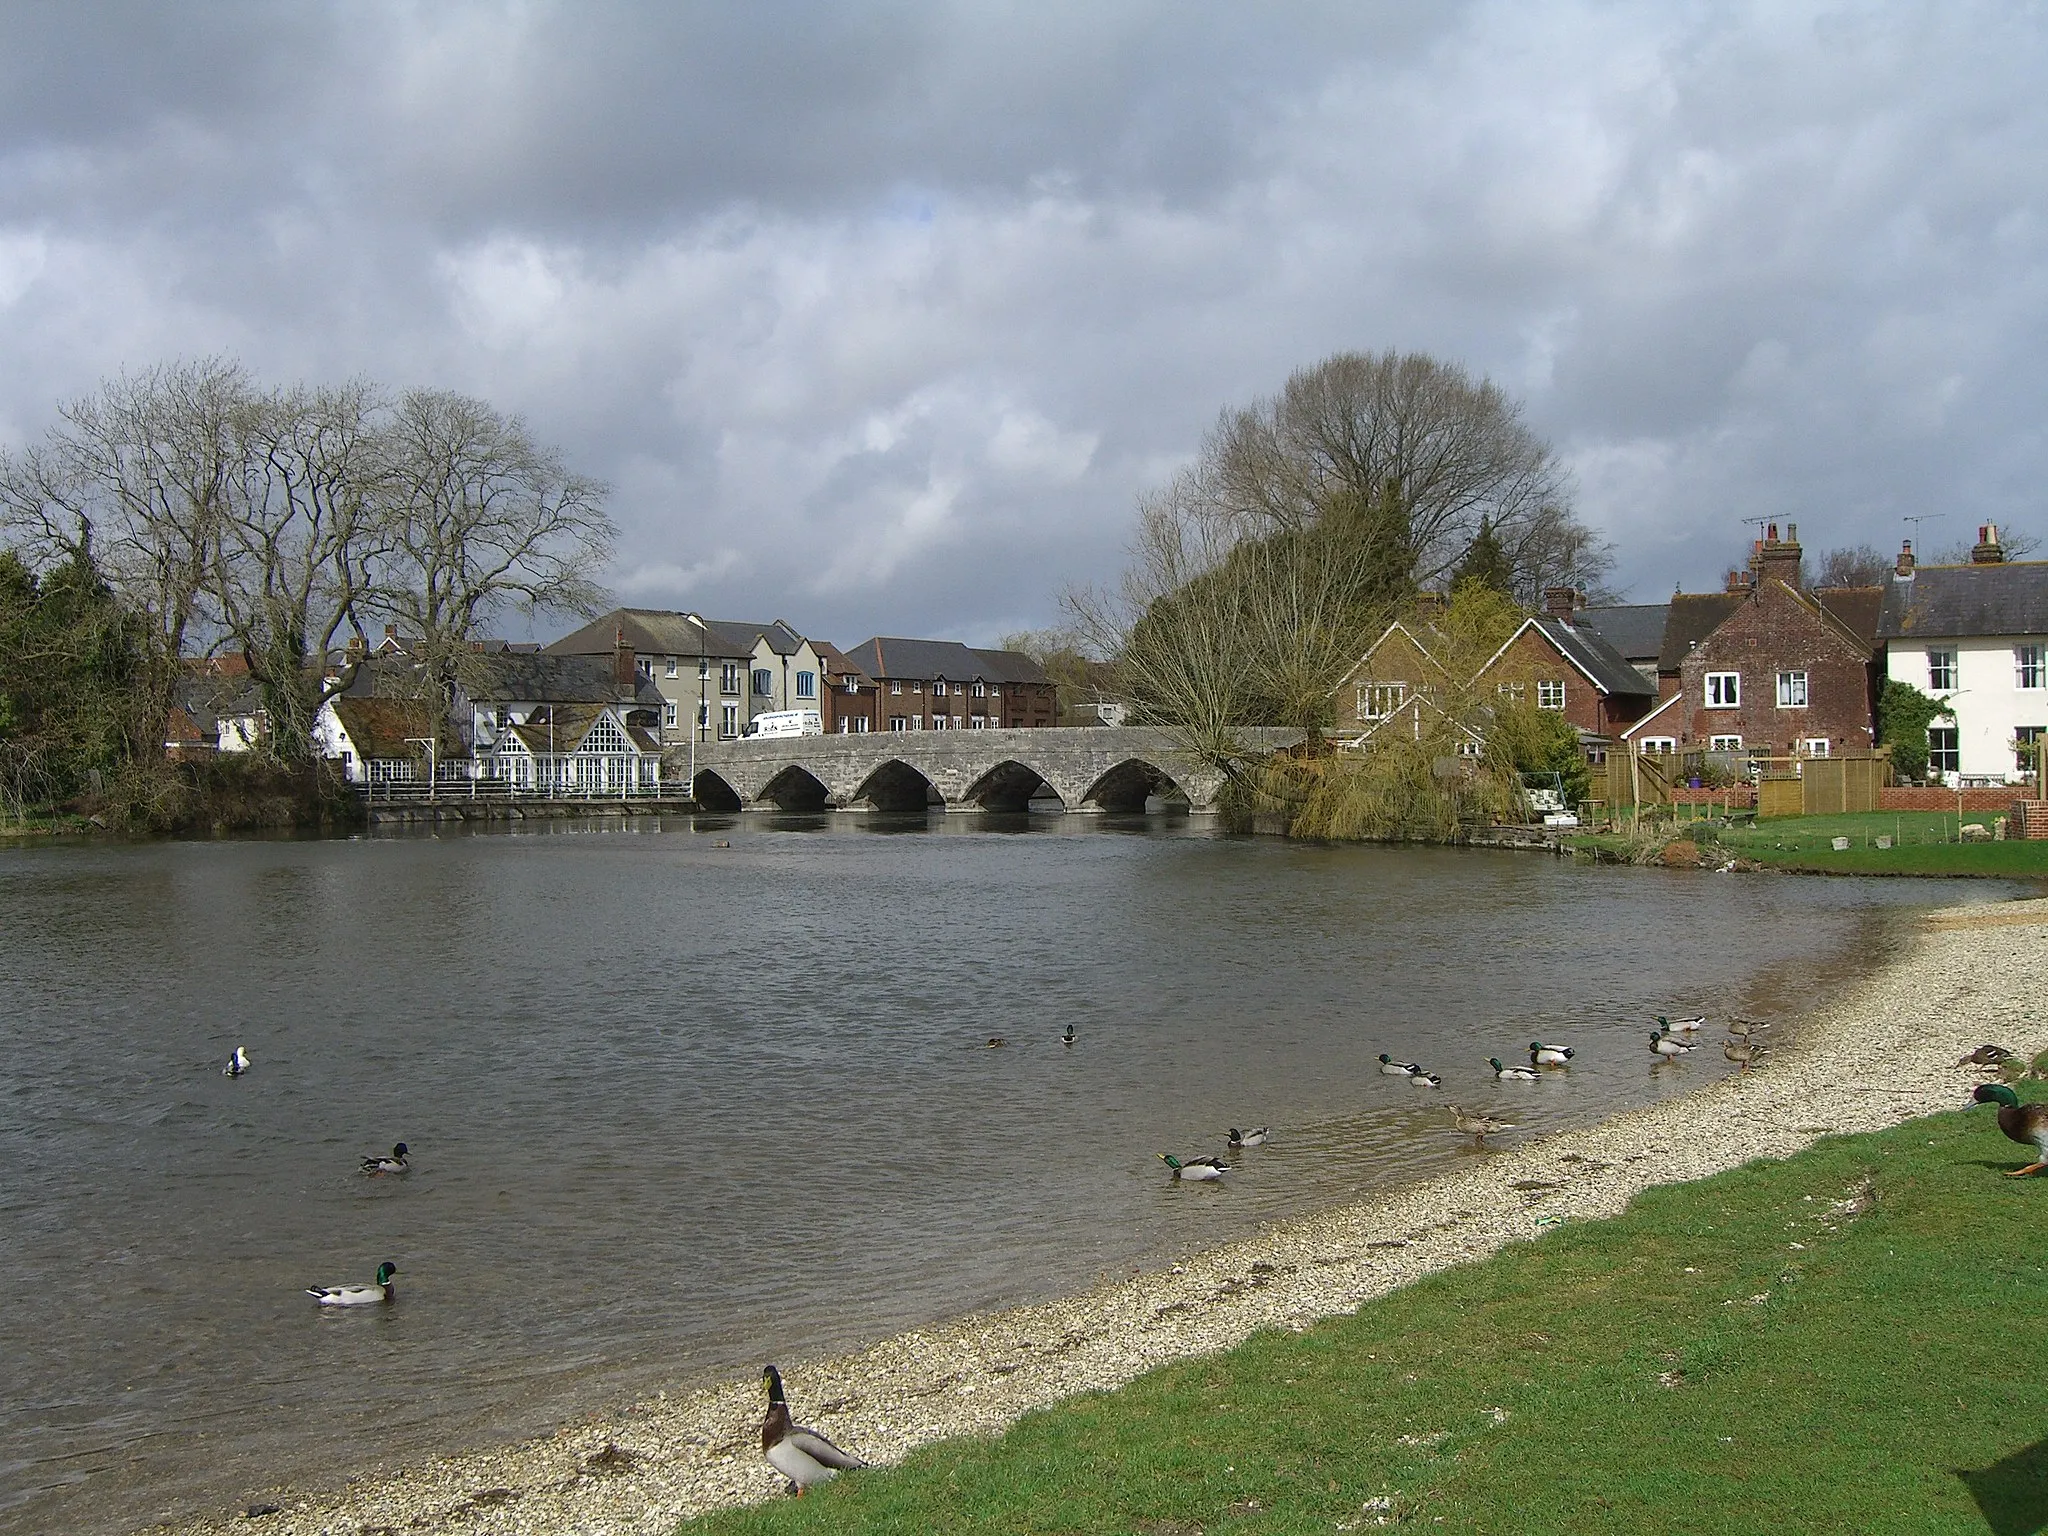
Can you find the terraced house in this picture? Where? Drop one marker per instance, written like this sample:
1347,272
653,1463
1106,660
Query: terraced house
941,685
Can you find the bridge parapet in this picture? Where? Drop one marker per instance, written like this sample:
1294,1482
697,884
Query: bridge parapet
1090,768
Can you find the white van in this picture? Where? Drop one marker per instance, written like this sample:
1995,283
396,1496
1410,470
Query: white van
786,722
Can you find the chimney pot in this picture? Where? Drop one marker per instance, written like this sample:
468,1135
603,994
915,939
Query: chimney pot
390,631
1905,565
1988,550
1562,602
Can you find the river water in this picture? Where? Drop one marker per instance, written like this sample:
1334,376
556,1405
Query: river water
676,1107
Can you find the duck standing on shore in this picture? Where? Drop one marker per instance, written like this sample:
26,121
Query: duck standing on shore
1743,1054
1478,1127
1541,1055
237,1064
1668,1047
802,1455
397,1162
1691,1026
357,1295
1195,1170
2026,1124
1986,1056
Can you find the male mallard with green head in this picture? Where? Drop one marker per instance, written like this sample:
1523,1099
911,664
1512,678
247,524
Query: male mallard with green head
2026,1124
802,1455
1195,1169
1512,1074
357,1295
1541,1055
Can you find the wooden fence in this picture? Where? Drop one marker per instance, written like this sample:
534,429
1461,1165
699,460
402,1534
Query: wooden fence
1785,786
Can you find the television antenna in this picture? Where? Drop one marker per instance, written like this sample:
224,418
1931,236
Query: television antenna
1924,517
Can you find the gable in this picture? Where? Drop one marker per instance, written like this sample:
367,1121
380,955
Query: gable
1776,621
1396,657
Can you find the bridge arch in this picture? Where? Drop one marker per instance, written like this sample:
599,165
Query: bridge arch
1128,785
794,788
712,793
896,786
1010,786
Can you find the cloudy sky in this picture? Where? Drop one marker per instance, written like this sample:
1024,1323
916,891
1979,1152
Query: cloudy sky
877,317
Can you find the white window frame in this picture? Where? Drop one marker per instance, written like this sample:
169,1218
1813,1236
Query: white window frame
729,722
729,678
673,663
1952,751
2024,736
1724,743
1381,701
899,723
2029,671
1816,746
1550,695
1659,746
1793,692
1723,690
1514,691
895,685
1941,671
980,690
669,716
939,689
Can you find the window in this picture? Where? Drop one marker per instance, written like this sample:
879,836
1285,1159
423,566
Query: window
1791,690
977,722
1515,691
668,716
939,722
672,665
703,668
917,722
939,689
979,690
1943,755
729,677
807,685
1941,671
895,687
729,720
764,683
1724,744
1724,690
1550,695
898,723
703,716
1815,746
1659,746
2027,669
917,687
1376,701
2026,748
860,725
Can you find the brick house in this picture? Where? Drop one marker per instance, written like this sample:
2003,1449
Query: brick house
1554,663
939,685
1395,673
1784,673
849,701
703,671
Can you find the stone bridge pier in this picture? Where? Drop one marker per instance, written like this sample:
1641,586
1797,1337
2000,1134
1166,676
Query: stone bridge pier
1088,768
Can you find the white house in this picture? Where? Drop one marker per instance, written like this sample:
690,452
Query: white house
1976,636
379,741
575,750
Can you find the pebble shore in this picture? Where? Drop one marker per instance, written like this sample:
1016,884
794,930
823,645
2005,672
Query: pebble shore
1883,1051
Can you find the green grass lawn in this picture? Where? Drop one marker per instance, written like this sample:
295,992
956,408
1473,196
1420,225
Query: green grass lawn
1855,1340
1923,843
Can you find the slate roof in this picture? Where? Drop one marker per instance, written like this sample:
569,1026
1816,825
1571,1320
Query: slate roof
1634,630
547,678
655,632
1854,608
1607,667
1691,617
886,657
1945,600
781,638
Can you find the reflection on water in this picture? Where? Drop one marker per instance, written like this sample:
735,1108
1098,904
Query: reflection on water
675,1108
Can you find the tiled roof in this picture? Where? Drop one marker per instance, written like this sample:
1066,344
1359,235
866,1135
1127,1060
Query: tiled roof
837,663
781,638
1944,600
1635,630
380,728
886,657
653,632
1691,617
1593,656
1856,609
549,678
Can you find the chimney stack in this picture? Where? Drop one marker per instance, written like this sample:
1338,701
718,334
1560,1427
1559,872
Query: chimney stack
1562,602
622,658
1778,559
1429,606
1905,565
1988,550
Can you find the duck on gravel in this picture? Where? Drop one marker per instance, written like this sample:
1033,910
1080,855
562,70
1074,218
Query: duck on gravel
1986,1056
1743,1029
1668,1047
237,1064
802,1455
397,1162
1541,1055
1392,1068
1255,1138
2026,1124
357,1295
1478,1127
1196,1169
1512,1074
1743,1054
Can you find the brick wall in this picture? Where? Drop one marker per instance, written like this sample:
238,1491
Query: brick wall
1771,632
2029,819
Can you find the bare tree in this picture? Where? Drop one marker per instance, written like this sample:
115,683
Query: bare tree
1852,566
480,518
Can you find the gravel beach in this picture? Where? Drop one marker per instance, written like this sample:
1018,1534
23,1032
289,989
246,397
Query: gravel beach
1882,1051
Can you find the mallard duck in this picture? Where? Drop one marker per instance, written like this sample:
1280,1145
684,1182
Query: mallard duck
1422,1079
1743,1055
996,1042
1256,1138
1670,1047
1196,1169
1068,1037
357,1295
1512,1074
1541,1055
237,1064
1986,1056
1691,1026
802,1455
395,1163
1392,1068
1743,1029
1478,1127
2026,1124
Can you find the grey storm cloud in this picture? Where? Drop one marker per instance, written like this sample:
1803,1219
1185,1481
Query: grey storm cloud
879,318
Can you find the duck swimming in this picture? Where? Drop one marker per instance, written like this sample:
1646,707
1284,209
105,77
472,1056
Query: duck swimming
1541,1055
1392,1068
237,1064
1512,1074
802,1455
1068,1037
1691,1026
395,1163
1248,1138
357,1295
1195,1170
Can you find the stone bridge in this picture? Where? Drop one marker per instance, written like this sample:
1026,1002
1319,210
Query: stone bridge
1088,768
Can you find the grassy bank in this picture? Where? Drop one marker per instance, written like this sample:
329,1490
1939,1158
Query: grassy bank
1922,843
1848,1340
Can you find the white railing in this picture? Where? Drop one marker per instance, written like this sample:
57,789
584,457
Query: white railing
395,791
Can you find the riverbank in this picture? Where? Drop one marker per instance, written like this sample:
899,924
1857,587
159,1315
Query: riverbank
1880,1053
